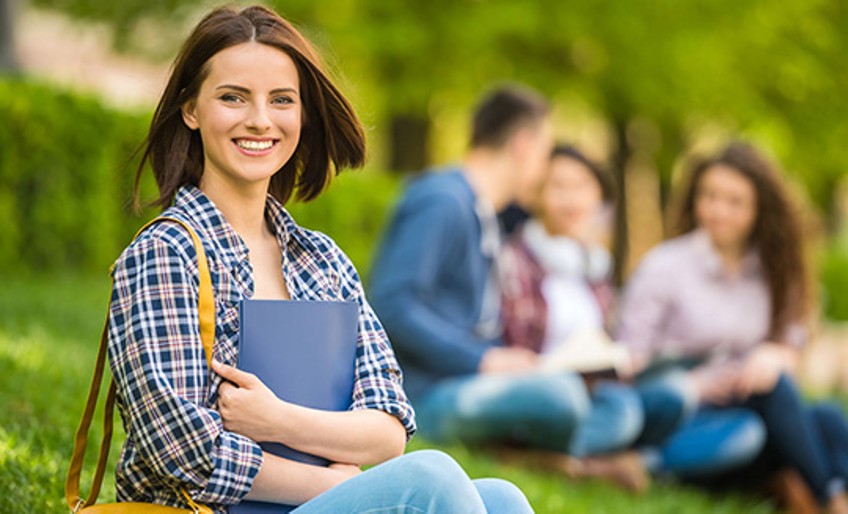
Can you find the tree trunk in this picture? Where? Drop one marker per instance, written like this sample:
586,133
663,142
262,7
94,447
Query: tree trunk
409,142
830,205
8,59
673,143
620,158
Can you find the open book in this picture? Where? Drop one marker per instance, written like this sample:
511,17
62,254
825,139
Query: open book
589,352
305,352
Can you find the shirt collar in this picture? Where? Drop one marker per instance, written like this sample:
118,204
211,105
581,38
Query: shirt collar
711,261
203,211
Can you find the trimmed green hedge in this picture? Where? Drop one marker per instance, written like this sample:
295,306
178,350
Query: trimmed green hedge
66,171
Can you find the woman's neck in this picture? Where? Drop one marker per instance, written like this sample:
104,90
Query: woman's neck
243,208
731,256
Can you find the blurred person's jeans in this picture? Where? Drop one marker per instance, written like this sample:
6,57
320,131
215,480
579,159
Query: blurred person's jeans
550,411
711,442
829,420
810,438
667,402
614,421
426,482
718,439
680,439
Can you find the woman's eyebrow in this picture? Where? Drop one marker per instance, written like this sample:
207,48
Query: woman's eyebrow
284,90
242,89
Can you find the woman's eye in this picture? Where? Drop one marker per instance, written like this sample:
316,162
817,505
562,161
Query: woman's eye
283,100
229,97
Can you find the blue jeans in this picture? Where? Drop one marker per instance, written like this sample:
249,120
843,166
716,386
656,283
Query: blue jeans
681,440
614,421
423,482
812,439
830,423
712,442
808,438
667,402
553,412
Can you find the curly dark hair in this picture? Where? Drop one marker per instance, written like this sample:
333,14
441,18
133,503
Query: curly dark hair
776,234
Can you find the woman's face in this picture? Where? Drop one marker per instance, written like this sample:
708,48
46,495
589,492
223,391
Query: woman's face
248,113
571,198
726,206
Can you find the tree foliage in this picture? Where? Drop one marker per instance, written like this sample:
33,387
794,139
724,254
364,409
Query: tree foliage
768,70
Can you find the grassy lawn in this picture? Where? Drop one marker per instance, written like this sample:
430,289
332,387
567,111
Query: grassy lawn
49,331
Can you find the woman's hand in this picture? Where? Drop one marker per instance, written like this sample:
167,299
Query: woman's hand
361,436
716,385
635,363
762,369
508,360
247,406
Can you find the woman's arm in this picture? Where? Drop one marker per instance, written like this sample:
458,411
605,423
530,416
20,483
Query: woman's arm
292,483
158,363
360,437
425,230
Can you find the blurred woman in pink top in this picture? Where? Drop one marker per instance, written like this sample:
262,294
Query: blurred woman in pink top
727,301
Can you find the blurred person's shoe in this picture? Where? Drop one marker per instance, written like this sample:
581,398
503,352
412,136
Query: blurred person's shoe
793,493
626,470
547,460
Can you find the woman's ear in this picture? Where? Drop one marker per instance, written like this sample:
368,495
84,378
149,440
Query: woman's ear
189,113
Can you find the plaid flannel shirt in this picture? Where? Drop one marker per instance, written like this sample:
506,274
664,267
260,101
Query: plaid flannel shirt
166,393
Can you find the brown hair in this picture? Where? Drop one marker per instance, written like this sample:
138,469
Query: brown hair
776,234
331,137
609,192
502,112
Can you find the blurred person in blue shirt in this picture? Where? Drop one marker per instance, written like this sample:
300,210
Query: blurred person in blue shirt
435,287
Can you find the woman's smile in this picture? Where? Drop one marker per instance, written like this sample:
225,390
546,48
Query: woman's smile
255,147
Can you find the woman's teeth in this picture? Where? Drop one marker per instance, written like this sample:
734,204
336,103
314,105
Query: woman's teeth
254,145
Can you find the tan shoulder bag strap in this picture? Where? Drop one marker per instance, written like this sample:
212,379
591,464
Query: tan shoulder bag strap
206,312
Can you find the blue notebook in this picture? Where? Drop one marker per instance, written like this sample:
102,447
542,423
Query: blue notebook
304,351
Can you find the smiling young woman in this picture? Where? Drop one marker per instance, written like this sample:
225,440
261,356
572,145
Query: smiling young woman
251,121
247,121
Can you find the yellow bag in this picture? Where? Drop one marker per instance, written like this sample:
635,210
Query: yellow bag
206,310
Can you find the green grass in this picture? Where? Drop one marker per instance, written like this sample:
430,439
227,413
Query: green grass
49,332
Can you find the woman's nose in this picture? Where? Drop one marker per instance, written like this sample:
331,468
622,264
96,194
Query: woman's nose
258,118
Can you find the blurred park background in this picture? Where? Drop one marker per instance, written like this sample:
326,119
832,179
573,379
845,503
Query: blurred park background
641,85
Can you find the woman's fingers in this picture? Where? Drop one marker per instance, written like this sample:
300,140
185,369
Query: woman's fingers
236,376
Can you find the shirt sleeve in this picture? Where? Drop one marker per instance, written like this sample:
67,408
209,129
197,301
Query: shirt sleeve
162,380
405,284
379,381
644,307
